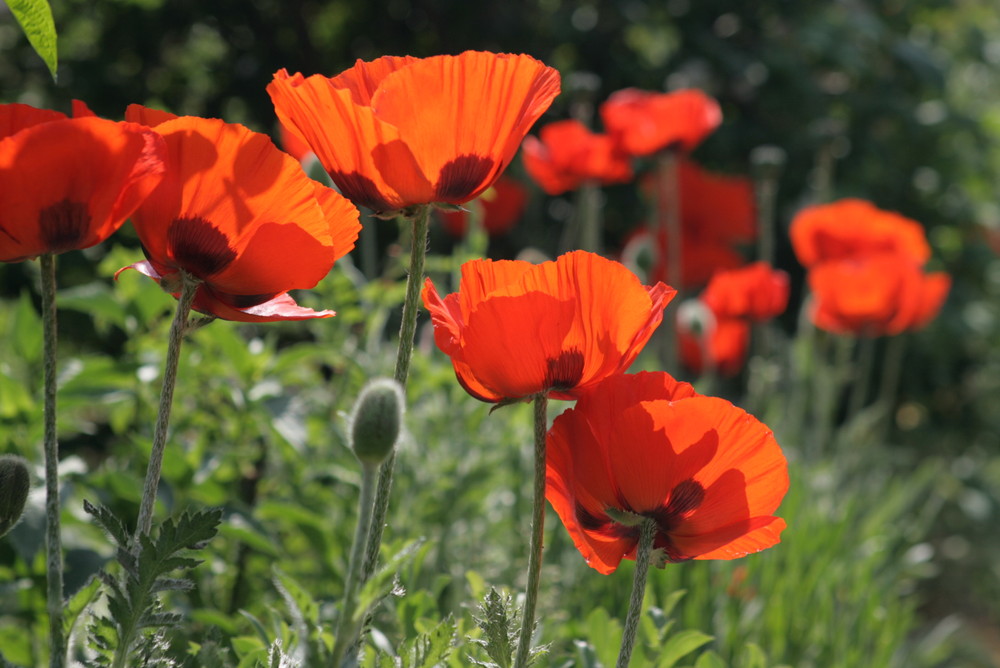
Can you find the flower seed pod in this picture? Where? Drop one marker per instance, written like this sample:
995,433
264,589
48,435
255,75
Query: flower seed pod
377,420
15,483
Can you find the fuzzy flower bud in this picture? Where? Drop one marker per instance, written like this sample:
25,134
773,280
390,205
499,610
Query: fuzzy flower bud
15,483
377,420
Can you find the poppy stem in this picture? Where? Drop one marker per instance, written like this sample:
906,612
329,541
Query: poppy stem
643,553
347,629
668,217
53,508
407,330
862,376
892,368
189,287
537,529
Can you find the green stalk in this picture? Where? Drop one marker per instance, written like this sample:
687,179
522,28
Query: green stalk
53,545
670,223
642,558
589,214
347,629
407,329
862,376
892,368
189,286
537,529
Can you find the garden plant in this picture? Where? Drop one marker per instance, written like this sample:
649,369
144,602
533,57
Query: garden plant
626,334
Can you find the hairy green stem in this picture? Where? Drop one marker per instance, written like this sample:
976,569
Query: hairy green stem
177,330
667,206
642,558
892,368
407,329
537,530
347,629
53,544
589,214
862,376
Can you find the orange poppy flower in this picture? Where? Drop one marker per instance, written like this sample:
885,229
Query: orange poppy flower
566,155
852,227
69,183
503,205
645,122
402,131
240,216
645,446
754,292
875,295
515,329
708,341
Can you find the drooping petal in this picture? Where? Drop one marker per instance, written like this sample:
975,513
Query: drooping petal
707,473
16,117
238,212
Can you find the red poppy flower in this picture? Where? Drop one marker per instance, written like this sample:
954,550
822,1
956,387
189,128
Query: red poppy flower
401,131
875,295
754,292
503,205
240,216
514,329
852,227
715,208
67,184
708,341
644,446
645,122
567,155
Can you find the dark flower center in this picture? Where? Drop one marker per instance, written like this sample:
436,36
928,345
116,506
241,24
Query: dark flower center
461,177
198,247
63,226
361,190
685,498
566,371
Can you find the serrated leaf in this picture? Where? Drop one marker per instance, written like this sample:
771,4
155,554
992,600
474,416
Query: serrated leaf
109,522
35,17
680,645
383,582
78,602
429,649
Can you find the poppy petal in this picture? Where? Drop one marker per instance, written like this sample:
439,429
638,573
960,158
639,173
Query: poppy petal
463,147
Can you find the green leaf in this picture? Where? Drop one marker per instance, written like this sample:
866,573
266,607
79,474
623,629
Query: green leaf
26,331
78,602
429,649
710,659
35,17
679,645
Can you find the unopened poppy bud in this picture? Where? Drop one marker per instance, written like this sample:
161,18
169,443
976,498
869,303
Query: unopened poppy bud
377,420
15,483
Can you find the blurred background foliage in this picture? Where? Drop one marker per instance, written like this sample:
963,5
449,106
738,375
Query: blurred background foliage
895,101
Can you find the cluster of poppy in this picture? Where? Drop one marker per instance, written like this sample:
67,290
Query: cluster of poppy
866,269
210,199
714,330
636,445
216,204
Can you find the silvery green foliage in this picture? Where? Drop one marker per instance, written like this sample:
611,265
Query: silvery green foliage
501,625
134,628
425,651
